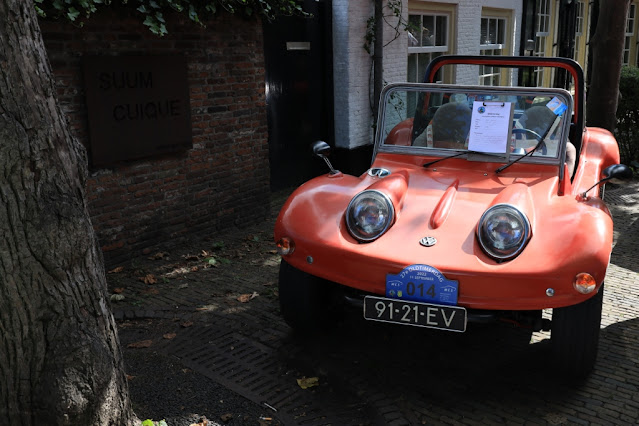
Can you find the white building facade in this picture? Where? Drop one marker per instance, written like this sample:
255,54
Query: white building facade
418,32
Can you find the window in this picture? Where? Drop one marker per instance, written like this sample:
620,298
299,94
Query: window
492,41
579,29
630,30
580,18
543,31
427,39
543,18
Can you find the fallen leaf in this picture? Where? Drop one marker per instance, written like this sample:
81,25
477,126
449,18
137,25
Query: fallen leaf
169,336
140,344
202,422
130,377
118,290
159,255
186,324
191,257
205,253
244,298
148,279
194,269
308,382
117,297
116,270
226,417
268,284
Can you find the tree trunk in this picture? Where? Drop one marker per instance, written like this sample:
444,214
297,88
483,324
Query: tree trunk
60,361
607,51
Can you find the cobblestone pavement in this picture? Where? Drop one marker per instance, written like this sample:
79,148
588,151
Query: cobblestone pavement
212,309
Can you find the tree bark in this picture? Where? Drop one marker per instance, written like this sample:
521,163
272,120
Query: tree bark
60,361
607,58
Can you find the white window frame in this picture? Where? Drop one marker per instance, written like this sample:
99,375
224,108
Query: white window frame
543,18
579,28
445,48
486,78
494,46
431,49
543,31
630,30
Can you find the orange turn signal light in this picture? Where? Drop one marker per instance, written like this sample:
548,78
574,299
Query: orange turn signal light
285,246
584,283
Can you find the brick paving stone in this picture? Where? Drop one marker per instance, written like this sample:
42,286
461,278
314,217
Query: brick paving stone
405,375
399,422
577,421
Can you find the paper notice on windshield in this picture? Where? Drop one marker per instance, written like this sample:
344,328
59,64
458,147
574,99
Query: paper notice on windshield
490,126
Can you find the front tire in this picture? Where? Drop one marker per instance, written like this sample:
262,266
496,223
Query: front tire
574,336
304,299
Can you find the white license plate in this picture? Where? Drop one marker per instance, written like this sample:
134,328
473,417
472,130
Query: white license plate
443,317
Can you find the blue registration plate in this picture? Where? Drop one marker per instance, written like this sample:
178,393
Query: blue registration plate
421,283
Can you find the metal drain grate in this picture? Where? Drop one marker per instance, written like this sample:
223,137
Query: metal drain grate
259,374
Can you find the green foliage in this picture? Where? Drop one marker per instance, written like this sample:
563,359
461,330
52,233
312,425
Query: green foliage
149,422
393,9
152,11
627,130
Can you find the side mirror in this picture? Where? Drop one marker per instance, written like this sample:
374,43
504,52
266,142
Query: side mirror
322,150
617,173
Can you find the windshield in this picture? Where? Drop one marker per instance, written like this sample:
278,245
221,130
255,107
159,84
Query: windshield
438,120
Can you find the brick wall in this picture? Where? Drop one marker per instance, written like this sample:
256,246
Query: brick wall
223,181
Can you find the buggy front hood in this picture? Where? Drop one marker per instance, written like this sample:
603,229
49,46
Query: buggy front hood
446,202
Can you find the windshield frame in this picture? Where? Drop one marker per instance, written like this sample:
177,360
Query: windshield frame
564,96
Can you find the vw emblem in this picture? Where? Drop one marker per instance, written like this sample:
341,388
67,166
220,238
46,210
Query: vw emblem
380,173
428,241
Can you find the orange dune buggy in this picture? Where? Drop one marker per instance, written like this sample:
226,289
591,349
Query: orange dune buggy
481,203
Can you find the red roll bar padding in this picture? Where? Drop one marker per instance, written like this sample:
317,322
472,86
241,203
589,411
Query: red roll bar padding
524,61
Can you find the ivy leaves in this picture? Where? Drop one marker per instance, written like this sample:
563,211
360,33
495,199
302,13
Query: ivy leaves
68,8
152,11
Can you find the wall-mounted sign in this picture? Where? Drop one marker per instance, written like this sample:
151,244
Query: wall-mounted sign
138,106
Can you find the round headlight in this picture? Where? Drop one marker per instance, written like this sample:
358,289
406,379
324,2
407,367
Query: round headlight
369,214
503,231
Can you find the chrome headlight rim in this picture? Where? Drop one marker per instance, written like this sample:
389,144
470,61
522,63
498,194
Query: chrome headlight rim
493,251
352,226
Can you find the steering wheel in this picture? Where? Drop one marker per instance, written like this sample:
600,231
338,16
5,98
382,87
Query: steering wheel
533,133
524,131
